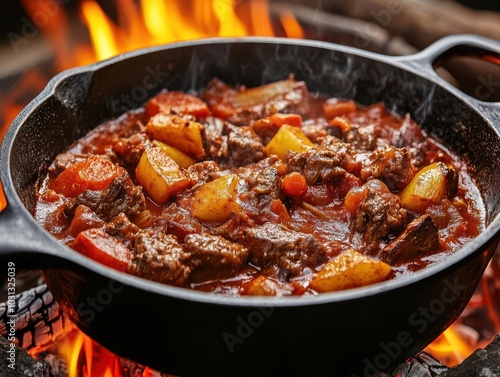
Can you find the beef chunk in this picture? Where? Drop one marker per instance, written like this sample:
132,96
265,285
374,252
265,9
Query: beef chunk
391,165
122,229
378,214
160,257
132,148
215,142
212,257
110,132
201,173
233,229
317,166
121,196
276,244
244,146
318,129
177,221
419,237
362,137
263,185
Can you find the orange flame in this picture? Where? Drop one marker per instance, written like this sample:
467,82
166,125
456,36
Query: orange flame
452,346
164,21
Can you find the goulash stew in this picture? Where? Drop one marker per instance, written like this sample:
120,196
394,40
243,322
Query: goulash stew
263,191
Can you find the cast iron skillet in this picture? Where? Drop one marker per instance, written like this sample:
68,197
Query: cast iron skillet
192,333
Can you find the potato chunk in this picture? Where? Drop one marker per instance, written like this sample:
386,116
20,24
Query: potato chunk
216,200
160,176
182,159
429,186
350,269
178,132
288,138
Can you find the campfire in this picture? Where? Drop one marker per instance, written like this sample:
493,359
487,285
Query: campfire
102,32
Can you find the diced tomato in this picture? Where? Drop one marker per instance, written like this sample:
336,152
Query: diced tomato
177,103
279,209
319,195
103,248
223,110
95,173
290,119
334,107
342,123
345,184
353,198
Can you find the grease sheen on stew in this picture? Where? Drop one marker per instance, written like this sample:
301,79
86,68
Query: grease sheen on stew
262,191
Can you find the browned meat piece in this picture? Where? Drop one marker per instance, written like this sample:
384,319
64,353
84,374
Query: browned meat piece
63,160
318,129
244,146
233,229
215,143
203,172
362,137
177,221
419,237
317,166
160,257
110,132
411,136
121,196
276,244
391,165
241,106
212,257
122,229
263,185
132,148
379,214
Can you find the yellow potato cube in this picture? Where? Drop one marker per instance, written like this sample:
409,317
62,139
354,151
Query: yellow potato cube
178,132
182,159
349,269
288,138
428,186
160,176
216,200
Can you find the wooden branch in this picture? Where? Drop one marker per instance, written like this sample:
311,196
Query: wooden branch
420,22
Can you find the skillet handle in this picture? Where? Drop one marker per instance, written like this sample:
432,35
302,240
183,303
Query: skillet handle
26,245
463,45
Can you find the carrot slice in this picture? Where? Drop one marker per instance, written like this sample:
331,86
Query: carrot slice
98,245
95,173
294,185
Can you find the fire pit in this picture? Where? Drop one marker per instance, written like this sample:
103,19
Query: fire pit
42,328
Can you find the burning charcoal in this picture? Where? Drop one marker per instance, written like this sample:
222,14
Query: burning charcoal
483,362
419,237
23,364
39,319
